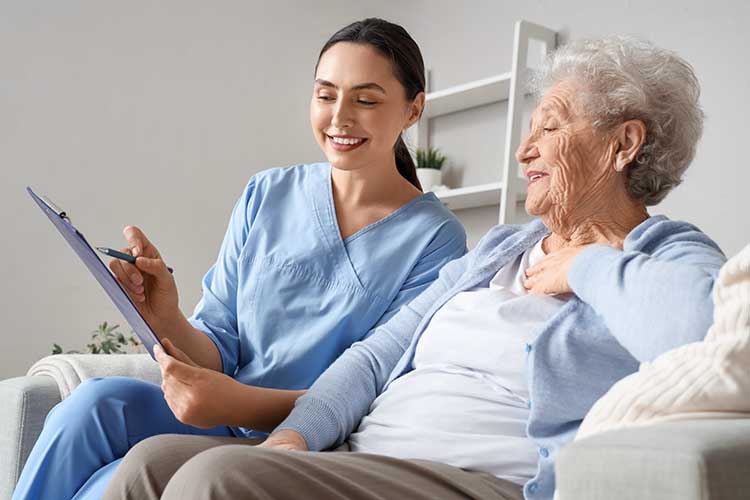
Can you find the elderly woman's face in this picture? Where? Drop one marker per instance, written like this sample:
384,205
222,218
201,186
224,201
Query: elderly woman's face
566,161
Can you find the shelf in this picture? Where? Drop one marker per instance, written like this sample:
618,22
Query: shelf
469,95
510,191
482,195
471,197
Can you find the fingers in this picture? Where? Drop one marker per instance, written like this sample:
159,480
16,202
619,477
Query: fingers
160,354
148,259
172,368
177,353
528,284
286,439
130,278
536,281
138,242
162,358
540,266
544,285
154,267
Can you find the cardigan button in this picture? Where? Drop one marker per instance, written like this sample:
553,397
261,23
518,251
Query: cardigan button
544,452
528,347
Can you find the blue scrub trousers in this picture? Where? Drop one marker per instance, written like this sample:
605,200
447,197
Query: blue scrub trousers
85,437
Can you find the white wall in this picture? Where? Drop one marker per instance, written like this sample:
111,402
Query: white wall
157,113
464,41
153,113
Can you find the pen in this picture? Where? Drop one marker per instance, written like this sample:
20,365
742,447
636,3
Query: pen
122,256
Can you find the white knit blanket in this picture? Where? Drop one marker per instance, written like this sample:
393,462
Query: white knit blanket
69,370
708,379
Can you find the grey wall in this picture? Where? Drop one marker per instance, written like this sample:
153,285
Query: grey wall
157,113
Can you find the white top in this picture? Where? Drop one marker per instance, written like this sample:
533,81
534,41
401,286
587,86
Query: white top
466,401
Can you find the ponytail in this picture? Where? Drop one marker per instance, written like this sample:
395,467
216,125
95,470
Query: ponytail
405,163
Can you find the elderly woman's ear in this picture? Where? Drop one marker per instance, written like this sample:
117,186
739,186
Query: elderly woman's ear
630,137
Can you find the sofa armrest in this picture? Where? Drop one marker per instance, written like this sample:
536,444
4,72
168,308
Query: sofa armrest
69,370
25,404
697,459
27,400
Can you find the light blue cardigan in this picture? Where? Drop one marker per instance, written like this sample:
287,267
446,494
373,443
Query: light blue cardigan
629,306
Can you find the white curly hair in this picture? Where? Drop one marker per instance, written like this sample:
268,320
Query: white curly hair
625,78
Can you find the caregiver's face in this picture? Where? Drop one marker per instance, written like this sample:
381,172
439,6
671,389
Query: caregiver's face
564,158
358,107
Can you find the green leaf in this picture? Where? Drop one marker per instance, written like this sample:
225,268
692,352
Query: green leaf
106,339
430,158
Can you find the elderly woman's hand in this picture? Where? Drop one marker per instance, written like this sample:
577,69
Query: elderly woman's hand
285,439
550,275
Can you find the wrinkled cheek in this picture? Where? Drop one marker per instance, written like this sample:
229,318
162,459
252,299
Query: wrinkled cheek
569,174
557,194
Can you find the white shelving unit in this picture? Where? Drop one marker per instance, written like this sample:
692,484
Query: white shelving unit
503,87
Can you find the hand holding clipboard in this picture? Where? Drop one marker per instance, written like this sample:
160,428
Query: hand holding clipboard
150,304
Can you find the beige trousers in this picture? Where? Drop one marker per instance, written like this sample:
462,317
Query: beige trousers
173,467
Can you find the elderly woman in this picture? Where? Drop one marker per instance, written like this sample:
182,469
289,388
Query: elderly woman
471,390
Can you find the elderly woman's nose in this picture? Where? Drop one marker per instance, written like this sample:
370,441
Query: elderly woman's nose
527,150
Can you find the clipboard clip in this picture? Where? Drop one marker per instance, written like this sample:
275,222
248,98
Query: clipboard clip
59,211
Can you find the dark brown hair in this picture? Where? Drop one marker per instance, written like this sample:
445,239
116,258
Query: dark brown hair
393,42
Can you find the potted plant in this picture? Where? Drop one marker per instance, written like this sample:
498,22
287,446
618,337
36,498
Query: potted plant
107,339
429,164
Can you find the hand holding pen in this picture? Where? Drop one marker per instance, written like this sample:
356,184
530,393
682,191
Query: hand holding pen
148,281
123,256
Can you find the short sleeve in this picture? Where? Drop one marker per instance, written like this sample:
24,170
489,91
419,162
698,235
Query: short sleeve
448,243
216,313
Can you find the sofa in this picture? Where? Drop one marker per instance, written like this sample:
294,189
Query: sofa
684,459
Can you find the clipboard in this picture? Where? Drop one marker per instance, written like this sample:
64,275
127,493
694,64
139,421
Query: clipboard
101,272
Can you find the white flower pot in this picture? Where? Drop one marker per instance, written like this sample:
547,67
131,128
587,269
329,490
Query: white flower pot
429,178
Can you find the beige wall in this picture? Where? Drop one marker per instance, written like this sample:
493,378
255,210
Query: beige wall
156,114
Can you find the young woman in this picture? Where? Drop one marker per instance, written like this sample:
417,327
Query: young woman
315,257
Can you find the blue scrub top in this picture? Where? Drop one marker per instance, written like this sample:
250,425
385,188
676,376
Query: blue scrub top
287,295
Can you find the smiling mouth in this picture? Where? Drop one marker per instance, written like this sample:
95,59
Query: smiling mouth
535,176
345,143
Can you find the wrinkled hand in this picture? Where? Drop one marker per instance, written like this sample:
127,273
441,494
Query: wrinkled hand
197,396
550,275
285,440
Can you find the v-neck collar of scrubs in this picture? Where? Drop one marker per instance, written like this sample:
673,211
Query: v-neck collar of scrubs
331,209
321,192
